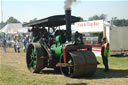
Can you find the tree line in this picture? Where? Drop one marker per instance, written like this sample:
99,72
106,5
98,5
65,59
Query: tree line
13,20
10,20
115,21
119,22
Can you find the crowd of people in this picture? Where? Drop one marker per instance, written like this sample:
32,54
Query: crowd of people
17,45
17,42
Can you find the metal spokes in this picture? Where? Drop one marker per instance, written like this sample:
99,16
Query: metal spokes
33,58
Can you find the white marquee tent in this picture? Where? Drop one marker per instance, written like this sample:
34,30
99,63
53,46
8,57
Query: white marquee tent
14,28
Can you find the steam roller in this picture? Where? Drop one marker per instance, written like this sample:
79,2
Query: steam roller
71,60
55,48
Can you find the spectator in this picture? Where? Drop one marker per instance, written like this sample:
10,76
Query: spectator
25,44
105,53
15,48
4,44
18,46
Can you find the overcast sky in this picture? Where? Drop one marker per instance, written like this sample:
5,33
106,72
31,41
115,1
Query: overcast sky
25,10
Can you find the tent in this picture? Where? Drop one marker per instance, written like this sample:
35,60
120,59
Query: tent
14,28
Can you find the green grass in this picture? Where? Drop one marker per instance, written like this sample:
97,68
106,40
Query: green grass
12,76
13,71
116,62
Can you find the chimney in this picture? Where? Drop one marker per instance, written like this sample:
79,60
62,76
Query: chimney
68,24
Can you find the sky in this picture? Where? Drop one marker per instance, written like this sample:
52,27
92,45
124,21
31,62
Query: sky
26,10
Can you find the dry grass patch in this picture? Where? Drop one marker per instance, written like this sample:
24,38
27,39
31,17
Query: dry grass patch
13,71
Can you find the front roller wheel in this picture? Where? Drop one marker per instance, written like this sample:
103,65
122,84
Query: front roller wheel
68,71
36,57
80,64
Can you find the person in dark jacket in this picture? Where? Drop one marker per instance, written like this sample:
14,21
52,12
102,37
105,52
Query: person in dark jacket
4,44
15,48
25,44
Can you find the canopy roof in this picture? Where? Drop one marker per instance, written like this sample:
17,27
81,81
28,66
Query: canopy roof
52,21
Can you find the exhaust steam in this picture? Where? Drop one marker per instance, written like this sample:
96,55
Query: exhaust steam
68,4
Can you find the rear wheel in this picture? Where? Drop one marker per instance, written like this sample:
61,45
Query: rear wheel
36,58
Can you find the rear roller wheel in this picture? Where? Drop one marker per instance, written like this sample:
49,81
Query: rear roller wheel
36,58
80,64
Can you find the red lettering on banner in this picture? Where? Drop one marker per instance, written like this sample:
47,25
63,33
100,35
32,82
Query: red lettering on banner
84,24
96,24
91,24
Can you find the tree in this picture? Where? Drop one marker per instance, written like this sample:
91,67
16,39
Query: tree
103,16
2,24
33,20
119,22
96,17
12,20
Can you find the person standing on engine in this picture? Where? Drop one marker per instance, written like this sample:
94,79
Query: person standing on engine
105,53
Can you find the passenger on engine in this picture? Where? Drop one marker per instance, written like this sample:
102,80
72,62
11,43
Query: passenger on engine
78,38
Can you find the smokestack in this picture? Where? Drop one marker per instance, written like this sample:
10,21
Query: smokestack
67,8
68,24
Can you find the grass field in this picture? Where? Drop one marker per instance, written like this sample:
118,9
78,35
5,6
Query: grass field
13,71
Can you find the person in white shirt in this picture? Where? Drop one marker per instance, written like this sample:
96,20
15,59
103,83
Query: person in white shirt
18,46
